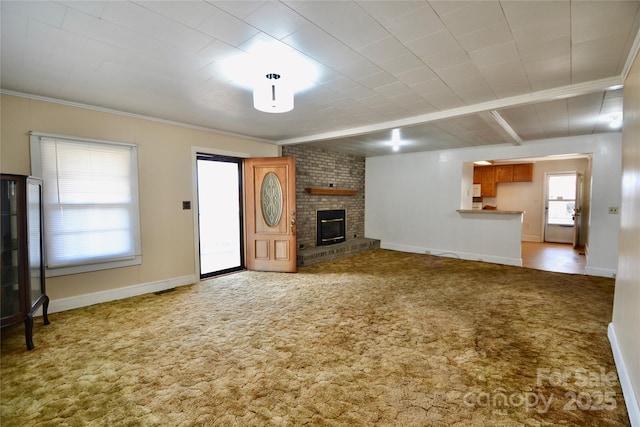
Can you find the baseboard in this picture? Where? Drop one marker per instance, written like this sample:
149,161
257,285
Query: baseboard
602,272
630,399
64,304
453,254
531,238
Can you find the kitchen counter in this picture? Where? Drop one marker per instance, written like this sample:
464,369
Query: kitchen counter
489,211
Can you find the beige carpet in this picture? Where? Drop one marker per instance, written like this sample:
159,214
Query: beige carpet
382,338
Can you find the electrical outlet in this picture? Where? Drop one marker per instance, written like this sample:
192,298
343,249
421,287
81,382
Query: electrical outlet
613,210
427,252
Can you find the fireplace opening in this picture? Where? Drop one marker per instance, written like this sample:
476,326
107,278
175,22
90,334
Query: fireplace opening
330,227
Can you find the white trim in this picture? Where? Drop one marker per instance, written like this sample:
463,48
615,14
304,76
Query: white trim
503,123
64,304
630,399
516,262
602,272
127,114
531,238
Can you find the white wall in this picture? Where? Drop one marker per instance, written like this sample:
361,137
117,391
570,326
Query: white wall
529,196
625,326
411,201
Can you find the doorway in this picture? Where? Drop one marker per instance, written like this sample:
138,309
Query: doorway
220,223
563,208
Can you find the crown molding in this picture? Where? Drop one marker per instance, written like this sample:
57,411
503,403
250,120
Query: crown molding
130,115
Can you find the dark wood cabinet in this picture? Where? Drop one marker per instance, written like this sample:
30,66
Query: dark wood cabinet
22,286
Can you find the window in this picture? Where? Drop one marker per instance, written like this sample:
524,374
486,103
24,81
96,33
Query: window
90,201
561,200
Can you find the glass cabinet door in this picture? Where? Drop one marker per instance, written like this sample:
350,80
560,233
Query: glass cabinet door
10,287
35,241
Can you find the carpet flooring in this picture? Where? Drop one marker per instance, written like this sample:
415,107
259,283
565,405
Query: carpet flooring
378,339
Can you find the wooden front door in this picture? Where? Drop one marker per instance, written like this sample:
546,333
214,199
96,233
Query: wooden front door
270,192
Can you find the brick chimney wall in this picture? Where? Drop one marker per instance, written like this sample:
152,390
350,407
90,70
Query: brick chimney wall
316,167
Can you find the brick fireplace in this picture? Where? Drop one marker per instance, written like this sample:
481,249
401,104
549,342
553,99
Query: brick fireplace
318,168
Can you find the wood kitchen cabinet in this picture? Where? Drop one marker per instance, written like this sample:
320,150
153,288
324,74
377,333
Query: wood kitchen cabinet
504,173
488,181
477,175
523,172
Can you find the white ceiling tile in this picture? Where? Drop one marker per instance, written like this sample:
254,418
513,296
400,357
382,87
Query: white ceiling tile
416,24
321,46
444,100
400,64
473,17
239,9
329,17
227,28
139,19
359,69
486,37
189,13
524,14
54,35
446,59
383,50
477,95
276,19
432,44
358,32
98,29
46,12
385,11
378,79
506,52
417,75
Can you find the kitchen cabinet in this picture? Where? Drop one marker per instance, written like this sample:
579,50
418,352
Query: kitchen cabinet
488,181
477,175
504,173
523,172
22,287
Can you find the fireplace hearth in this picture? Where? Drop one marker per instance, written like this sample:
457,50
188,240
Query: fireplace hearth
331,226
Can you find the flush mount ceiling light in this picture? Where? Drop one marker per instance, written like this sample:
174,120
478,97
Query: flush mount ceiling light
273,71
614,120
395,139
272,95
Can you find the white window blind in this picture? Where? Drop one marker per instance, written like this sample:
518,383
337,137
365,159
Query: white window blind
90,200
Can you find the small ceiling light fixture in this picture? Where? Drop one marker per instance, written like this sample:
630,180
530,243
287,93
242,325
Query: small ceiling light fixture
615,121
395,140
272,95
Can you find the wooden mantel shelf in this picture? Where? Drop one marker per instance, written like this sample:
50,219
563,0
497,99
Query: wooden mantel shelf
330,191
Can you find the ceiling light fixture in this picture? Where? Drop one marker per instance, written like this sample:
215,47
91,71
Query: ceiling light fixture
615,121
272,95
395,139
273,71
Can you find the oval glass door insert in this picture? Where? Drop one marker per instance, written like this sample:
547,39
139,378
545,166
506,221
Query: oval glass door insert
271,199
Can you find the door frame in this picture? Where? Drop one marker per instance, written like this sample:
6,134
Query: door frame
545,199
195,151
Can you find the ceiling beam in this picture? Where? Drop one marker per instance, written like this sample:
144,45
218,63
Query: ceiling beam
563,92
